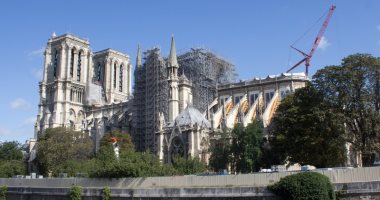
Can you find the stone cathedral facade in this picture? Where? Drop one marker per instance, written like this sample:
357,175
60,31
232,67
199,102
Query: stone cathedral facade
91,92
84,90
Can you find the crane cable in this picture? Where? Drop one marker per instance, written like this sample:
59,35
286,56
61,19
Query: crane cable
304,34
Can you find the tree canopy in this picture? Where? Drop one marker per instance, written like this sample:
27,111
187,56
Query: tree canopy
306,130
11,159
353,90
341,106
57,146
240,148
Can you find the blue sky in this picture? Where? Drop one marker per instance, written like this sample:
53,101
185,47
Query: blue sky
254,35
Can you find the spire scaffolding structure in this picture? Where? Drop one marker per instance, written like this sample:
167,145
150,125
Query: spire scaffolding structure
202,68
205,70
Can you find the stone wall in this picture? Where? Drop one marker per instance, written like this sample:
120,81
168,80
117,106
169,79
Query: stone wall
349,183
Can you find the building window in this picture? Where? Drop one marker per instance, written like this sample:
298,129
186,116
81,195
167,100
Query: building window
98,73
121,79
253,97
237,99
268,98
55,65
79,65
114,75
72,63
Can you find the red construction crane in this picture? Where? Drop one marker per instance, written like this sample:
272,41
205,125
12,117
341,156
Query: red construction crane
316,43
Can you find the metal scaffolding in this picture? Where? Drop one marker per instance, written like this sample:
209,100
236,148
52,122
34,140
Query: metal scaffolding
205,70
151,90
151,98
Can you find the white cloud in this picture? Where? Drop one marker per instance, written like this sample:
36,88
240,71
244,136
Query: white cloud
19,103
37,52
37,73
5,132
29,121
324,43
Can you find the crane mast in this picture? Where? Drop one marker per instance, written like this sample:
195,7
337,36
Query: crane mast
307,57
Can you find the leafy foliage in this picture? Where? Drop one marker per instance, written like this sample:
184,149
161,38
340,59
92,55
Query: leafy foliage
130,162
75,192
307,130
59,146
10,168
188,166
106,193
11,160
10,151
246,147
241,149
306,185
353,89
220,152
3,192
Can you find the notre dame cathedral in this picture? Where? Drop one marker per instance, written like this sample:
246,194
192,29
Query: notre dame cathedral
177,101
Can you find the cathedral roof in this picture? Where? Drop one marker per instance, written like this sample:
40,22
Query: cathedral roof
189,117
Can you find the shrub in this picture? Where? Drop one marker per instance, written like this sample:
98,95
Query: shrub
306,185
3,192
106,193
75,192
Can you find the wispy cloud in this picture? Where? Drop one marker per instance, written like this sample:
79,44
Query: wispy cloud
28,121
324,43
38,52
19,104
378,27
5,132
37,73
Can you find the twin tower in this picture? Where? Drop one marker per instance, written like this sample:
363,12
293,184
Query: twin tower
92,91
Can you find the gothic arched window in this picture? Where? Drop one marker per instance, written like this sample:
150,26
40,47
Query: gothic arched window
98,72
72,63
55,65
79,65
114,75
121,79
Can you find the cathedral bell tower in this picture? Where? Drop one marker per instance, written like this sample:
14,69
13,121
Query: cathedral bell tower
172,69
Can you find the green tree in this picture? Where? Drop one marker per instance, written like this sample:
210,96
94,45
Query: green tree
130,162
307,130
75,192
220,151
306,185
246,144
353,90
3,192
10,168
11,160
10,151
188,165
57,146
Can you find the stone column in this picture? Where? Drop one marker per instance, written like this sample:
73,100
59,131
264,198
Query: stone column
61,69
89,67
75,63
83,66
47,62
129,80
125,74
